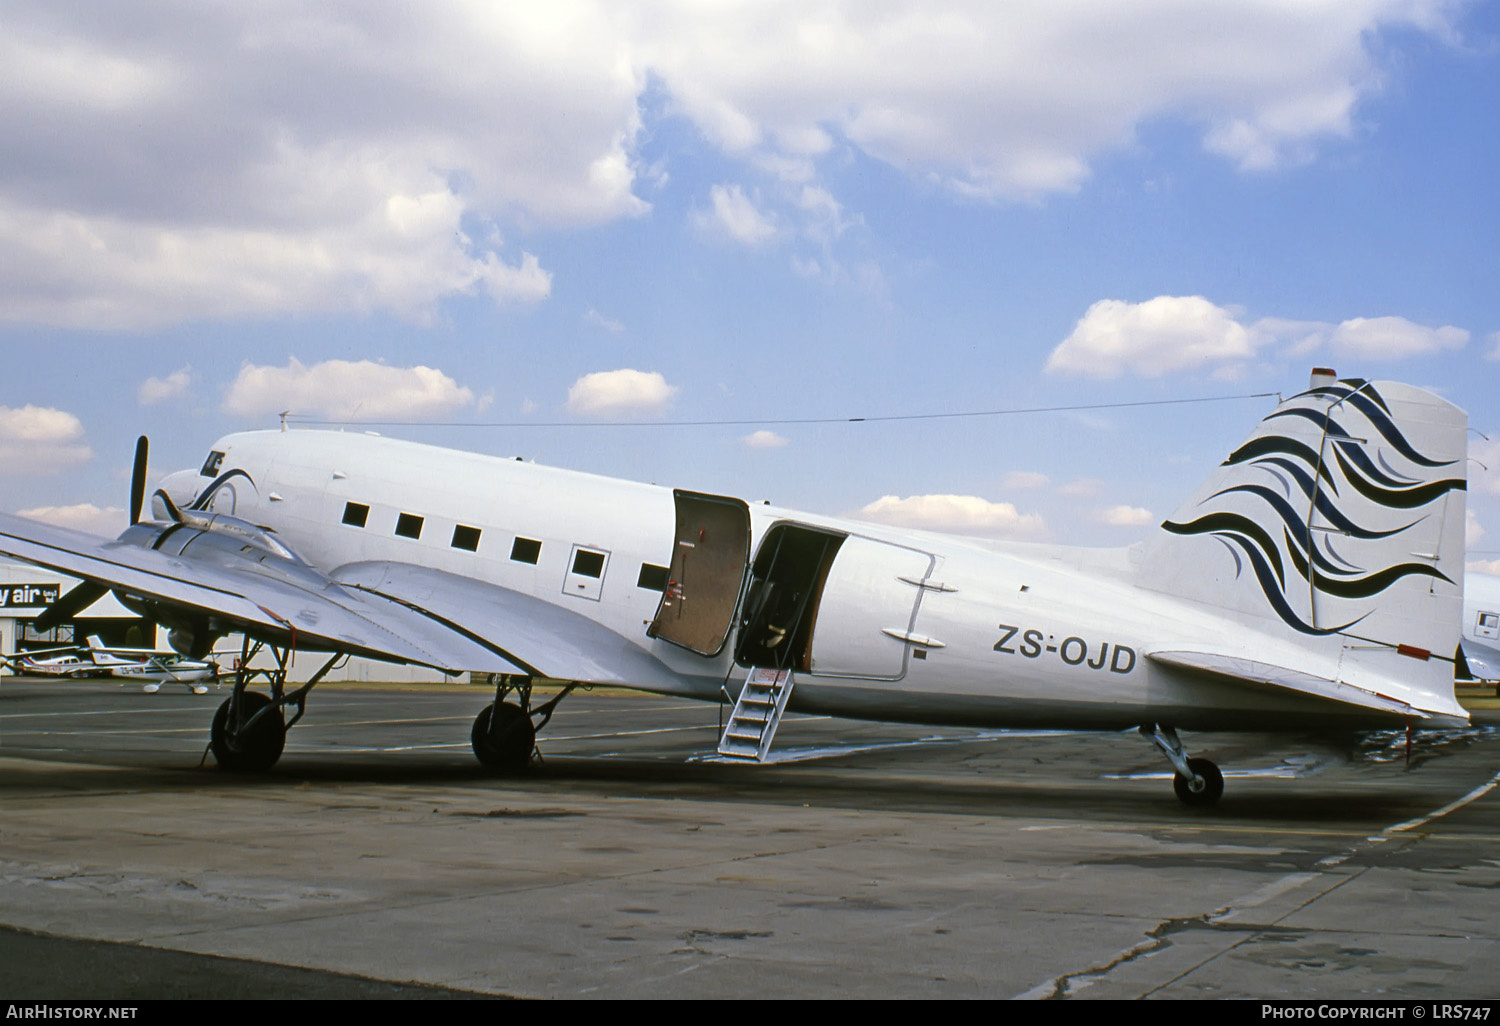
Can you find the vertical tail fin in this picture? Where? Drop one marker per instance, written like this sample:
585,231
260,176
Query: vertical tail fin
1337,526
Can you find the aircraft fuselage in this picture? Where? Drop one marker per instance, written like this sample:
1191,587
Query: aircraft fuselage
877,623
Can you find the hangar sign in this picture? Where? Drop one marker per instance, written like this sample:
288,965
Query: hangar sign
13,596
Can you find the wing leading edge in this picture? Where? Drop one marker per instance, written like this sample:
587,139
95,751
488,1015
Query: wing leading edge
305,609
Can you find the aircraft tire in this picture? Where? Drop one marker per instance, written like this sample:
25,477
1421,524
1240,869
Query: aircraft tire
506,744
1213,785
254,751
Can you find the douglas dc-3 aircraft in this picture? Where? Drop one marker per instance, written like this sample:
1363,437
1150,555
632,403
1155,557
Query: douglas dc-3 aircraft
1311,583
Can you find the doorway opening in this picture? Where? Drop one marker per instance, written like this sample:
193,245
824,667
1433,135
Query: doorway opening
781,602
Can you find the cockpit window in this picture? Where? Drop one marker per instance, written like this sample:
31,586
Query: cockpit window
212,464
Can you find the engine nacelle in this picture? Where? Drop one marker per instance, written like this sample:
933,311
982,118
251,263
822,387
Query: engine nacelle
224,541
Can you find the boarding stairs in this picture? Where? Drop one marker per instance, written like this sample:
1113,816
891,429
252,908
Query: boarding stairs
752,725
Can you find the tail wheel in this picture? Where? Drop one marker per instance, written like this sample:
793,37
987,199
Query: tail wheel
1210,784
253,750
503,738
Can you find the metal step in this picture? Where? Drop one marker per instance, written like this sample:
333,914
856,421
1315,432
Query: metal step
753,722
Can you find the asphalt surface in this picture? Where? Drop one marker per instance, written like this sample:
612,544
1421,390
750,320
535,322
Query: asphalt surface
873,860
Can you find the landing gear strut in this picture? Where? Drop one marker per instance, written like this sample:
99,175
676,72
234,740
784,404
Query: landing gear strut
249,729
504,736
1198,782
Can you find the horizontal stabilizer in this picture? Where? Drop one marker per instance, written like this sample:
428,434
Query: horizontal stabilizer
1249,671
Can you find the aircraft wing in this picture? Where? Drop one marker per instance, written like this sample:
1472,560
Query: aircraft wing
538,637
305,609
1252,672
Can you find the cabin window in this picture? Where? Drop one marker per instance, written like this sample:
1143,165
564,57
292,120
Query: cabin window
653,577
466,538
525,550
588,564
586,578
409,525
212,464
356,514
1488,625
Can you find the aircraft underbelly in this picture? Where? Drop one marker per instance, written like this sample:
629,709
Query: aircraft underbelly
1209,707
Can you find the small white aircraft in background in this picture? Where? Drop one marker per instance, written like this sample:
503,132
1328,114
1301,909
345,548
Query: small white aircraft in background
1312,583
1482,627
66,661
151,667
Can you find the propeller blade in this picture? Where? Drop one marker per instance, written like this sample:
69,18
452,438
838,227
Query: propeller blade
138,480
69,605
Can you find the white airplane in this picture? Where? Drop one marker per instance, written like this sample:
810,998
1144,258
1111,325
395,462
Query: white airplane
151,668
1312,582
1482,627
49,662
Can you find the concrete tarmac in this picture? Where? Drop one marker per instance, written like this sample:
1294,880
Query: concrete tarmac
872,860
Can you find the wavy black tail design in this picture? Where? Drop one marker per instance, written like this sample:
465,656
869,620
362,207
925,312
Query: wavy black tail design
1340,518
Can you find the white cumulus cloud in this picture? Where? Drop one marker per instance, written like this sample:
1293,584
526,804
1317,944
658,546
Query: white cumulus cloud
622,392
735,216
1125,516
610,324
346,390
108,521
285,156
763,439
40,440
958,514
159,390
1170,334
1017,99
1159,336
1391,338
1023,480
138,275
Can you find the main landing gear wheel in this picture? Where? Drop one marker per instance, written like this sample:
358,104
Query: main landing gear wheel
503,738
253,750
1210,784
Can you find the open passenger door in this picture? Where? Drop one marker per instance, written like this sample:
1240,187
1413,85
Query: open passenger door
709,557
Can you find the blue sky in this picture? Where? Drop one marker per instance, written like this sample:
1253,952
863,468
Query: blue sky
581,214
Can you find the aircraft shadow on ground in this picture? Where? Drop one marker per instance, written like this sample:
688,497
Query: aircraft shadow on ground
1355,801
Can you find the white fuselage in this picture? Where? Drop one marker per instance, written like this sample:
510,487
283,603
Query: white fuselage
939,629
166,669
61,666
